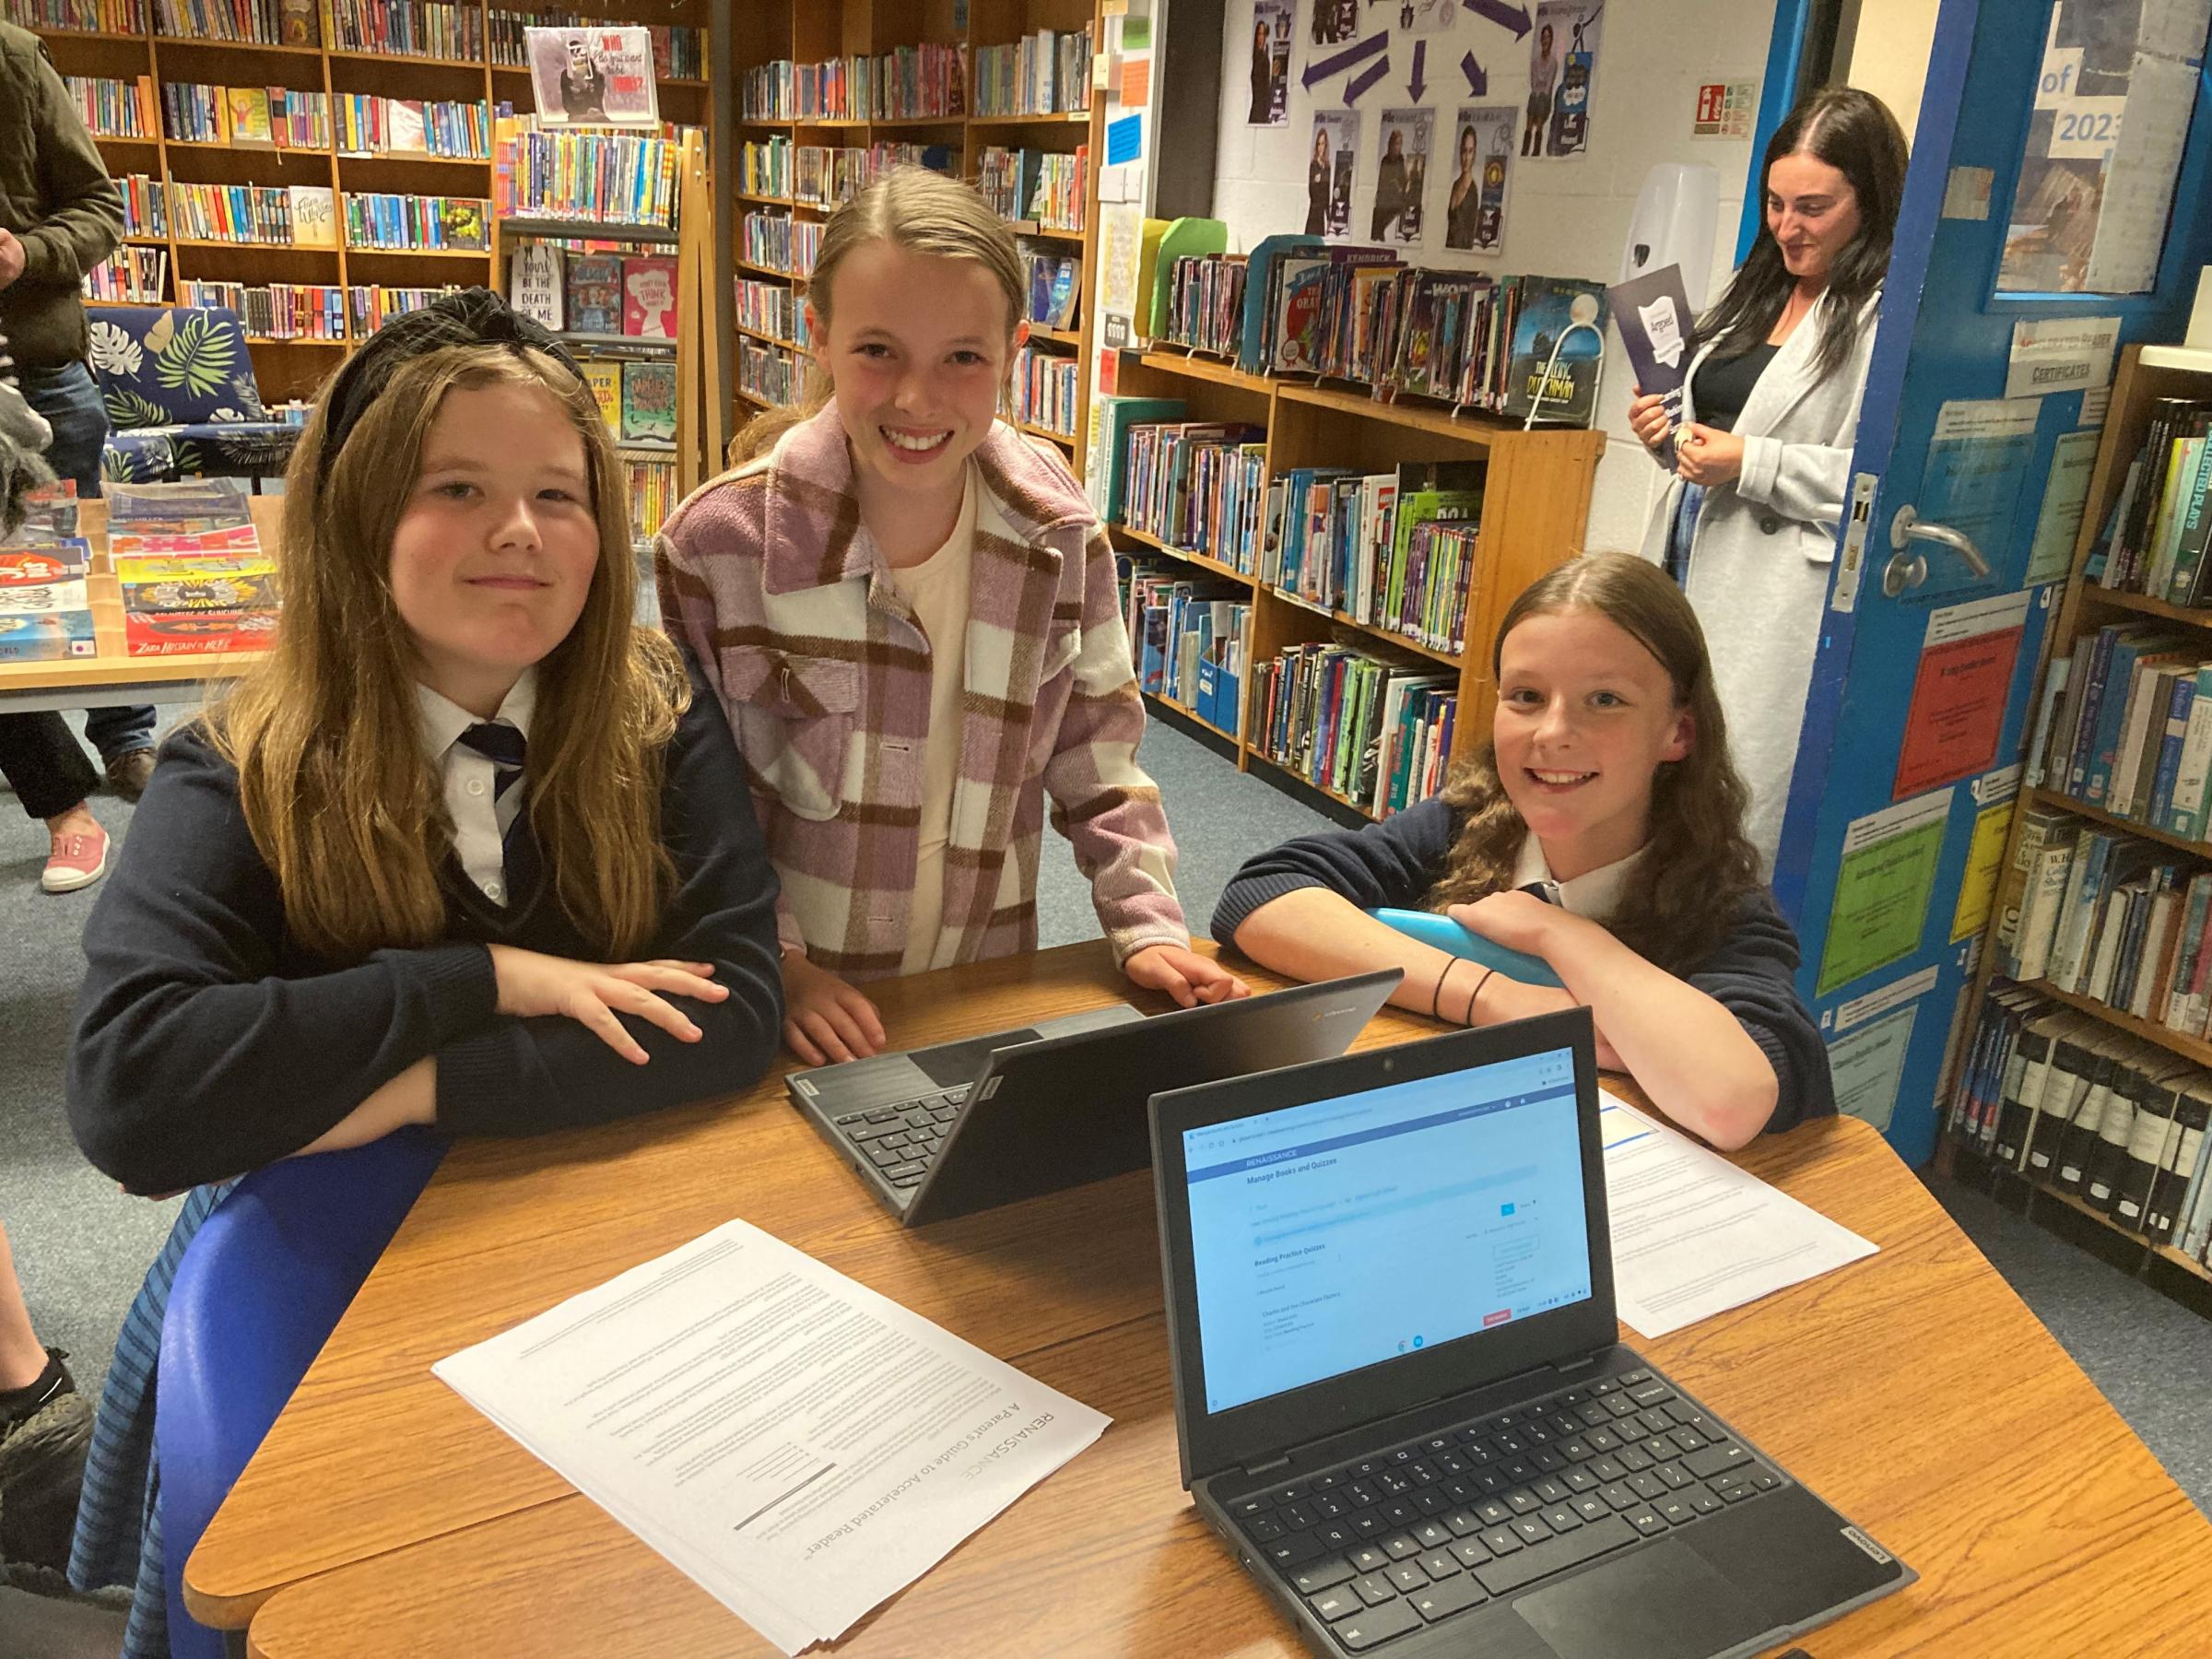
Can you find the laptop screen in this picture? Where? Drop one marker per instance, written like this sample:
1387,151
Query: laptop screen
1341,1233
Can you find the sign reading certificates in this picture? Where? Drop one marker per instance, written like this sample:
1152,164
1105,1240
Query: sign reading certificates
592,76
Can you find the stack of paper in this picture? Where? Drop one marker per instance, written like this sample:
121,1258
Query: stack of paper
1693,1235
800,1446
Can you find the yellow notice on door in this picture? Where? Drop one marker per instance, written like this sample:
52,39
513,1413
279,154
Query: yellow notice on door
1984,860
1883,889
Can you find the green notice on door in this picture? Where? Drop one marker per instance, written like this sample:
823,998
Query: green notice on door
1883,889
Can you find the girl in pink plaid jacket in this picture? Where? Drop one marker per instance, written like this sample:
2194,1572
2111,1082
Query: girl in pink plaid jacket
908,614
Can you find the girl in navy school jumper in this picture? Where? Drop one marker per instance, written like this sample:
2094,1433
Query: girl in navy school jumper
1605,787
467,849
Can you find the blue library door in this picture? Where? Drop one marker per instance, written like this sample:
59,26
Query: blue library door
2058,206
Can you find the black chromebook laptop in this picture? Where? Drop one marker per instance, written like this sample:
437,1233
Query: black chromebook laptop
969,1125
1398,1388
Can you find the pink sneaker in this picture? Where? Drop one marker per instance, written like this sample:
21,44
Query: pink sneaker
78,860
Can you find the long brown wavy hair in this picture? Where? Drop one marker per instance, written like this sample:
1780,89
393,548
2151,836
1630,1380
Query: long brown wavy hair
916,209
1698,866
339,797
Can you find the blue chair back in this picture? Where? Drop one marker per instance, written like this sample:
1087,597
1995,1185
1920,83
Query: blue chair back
262,1286
172,365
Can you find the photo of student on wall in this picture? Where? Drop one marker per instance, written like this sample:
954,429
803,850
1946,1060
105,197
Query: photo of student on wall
1475,208
1270,63
1600,828
1572,64
904,759
1402,176
1329,172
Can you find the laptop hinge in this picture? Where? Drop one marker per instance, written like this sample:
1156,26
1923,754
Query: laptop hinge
1568,1368
1269,1468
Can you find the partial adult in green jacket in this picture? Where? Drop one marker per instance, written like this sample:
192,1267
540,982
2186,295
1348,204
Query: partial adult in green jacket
59,217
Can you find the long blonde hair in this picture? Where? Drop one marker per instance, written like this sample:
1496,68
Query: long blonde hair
913,208
337,791
1698,866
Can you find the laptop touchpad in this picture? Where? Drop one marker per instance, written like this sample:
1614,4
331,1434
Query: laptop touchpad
952,1063
1662,1603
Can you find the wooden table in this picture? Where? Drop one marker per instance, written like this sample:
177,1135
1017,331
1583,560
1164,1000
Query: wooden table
114,678
384,1516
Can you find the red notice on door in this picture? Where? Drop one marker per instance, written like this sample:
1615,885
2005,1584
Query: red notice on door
1959,693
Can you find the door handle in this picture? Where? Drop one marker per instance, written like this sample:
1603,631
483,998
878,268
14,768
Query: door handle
1908,568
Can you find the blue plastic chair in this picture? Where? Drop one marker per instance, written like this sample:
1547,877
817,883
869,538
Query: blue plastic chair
260,1288
1445,935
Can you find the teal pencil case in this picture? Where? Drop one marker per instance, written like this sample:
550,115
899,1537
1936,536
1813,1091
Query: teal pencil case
1446,934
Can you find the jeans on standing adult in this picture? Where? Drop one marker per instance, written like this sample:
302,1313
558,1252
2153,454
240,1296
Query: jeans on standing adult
69,399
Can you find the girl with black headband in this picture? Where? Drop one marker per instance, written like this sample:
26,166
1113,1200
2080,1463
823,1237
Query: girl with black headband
466,848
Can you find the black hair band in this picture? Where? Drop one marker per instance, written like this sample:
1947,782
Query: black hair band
475,316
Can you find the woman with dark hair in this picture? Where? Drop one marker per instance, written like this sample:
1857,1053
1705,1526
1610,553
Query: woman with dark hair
1317,185
1601,829
1763,458
1262,78
1393,187
1464,208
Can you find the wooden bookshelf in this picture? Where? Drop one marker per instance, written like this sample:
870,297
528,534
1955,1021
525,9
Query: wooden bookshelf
2145,374
1536,509
2038,1190
2097,815
166,58
812,30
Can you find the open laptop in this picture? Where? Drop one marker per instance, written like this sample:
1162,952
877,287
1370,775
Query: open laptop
1398,1388
969,1125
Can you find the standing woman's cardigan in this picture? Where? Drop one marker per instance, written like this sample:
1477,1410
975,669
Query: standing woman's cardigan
1759,561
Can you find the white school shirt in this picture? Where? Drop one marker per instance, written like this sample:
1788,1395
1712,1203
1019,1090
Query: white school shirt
937,591
480,823
1595,894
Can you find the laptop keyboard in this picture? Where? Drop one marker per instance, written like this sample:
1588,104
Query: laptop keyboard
1392,1543
902,1138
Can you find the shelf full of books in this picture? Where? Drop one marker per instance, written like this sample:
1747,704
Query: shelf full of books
614,292
2110,1123
2091,1061
1465,339
997,92
349,144
1313,575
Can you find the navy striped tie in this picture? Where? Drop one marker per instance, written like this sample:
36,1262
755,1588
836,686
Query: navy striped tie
503,747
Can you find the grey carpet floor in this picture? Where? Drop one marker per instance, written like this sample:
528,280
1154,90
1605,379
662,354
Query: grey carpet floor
82,1247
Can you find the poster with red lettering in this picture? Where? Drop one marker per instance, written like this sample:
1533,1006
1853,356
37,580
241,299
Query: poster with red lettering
592,76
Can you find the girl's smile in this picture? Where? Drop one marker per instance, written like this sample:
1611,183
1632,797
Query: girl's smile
916,348
1586,718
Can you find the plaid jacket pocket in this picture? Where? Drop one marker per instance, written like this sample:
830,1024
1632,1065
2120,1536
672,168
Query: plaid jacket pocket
796,717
